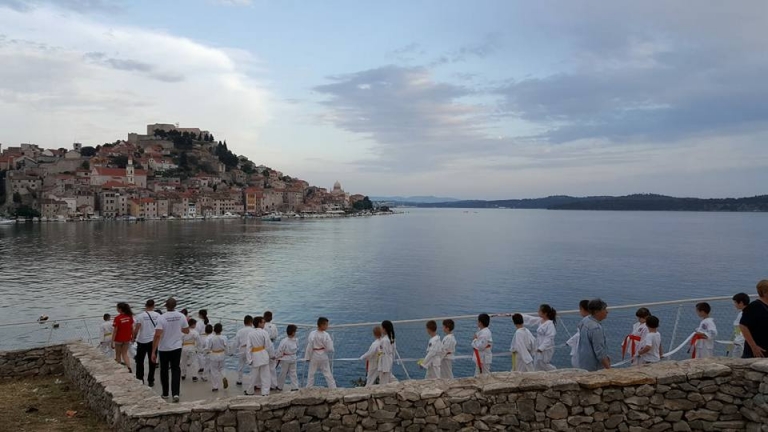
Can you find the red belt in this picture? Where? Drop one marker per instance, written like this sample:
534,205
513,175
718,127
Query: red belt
696,338
634,339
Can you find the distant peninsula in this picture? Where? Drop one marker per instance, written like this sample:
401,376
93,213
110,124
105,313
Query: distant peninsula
637,202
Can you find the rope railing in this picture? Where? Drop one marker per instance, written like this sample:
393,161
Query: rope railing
352,339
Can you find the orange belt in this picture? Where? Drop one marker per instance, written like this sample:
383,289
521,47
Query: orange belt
217,351
257,349
696,338
479,362
318,349
629,340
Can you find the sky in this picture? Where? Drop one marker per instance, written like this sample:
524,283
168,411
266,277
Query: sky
487,100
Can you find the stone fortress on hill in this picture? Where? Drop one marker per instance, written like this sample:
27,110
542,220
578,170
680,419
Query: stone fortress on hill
168,172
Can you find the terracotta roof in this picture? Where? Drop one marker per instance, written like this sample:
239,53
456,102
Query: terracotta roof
117,172
112,184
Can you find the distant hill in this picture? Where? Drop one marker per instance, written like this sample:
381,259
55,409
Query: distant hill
638,202
414,199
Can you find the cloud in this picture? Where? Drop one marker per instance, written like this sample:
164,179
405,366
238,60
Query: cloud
68,77
82,6
490,44
662,78
414,121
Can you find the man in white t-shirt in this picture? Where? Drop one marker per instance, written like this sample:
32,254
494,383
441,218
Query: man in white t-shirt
144,334
167,343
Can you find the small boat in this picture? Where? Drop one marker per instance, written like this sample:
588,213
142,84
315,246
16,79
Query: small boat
274,217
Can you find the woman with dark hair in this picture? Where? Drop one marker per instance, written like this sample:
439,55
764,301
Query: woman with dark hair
387,352
122,334
203,315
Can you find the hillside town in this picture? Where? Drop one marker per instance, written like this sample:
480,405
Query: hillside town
169,172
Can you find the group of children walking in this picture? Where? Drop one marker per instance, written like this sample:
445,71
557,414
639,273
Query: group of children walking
204,353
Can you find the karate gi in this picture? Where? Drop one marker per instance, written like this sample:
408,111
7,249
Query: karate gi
286,358
258,351
202,356
386,360
523,348
189,346
319,347
241,339
446,363
573,342
371,358
639,331
272,331
105,338
483,343
545,343
216,353
706,347
433,358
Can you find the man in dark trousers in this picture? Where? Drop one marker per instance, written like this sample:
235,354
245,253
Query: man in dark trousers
144,334
168,340
754,324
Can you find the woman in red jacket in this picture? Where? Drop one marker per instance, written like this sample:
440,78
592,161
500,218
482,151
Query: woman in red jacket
122,333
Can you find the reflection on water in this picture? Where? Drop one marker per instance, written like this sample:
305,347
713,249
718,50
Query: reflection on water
424,263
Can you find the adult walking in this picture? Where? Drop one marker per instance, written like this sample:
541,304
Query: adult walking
754,324
144,334
593,350
167,344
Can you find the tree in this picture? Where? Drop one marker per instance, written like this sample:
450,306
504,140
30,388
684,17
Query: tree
120,161
363,204
27,212
86,165
184,161
88,151
16,198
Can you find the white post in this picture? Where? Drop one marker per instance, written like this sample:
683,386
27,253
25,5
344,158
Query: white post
674,330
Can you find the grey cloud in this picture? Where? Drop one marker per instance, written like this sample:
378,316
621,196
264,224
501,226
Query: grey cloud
490,44
414,121
129,65
657,82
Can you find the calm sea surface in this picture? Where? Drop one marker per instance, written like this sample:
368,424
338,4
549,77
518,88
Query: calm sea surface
419,264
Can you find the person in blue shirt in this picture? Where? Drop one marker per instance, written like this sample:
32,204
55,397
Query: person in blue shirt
593,350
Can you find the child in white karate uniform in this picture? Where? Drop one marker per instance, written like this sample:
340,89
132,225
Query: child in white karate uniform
189,348
319,347
705,332
258,351
449,348
634,341
433,358
286,359
202,352
573,341
523,346
371,358
545,337
650,351
482,345
387,358
241,340
271,328
216,353
105,336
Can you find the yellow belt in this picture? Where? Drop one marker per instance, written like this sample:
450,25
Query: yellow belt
107,334
217,351
257,349
188,343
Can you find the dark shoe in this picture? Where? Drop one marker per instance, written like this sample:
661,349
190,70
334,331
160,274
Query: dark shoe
194,379
225,382
200,370
151,384
183,377
239,383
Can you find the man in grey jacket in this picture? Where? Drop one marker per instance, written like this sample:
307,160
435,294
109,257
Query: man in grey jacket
593,350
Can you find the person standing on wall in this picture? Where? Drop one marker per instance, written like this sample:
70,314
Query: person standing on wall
593,349
167,344
144,334
754,324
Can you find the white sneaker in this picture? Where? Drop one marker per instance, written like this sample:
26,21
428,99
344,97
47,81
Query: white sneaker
176,398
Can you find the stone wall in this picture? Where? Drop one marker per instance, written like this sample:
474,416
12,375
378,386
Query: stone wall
709,395
32,362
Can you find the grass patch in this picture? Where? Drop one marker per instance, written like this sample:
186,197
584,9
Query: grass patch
48,403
